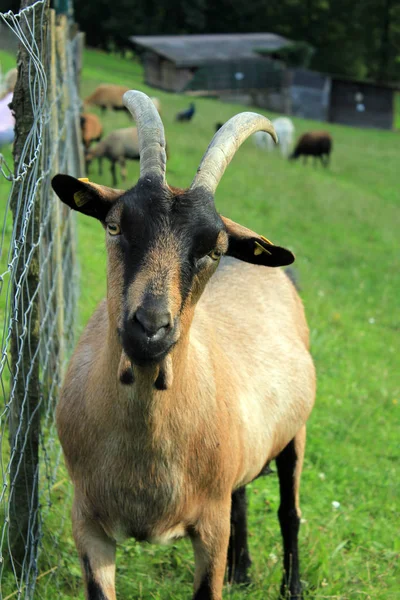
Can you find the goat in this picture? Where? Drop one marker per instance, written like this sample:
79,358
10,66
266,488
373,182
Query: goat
92,129
187,114
118,146
180,393
314,143
284,130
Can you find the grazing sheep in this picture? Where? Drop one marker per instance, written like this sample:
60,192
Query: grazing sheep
92,129
180,393
219,125
107,97
314,143
118,146
284,130
187,114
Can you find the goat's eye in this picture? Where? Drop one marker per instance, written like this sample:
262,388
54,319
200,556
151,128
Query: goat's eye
113,229
215,254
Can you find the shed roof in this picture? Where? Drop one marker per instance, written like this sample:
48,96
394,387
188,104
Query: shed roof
195,50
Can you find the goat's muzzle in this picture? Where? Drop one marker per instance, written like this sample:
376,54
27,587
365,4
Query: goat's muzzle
149,333
154,323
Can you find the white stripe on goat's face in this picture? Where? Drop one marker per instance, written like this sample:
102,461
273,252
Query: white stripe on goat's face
166,248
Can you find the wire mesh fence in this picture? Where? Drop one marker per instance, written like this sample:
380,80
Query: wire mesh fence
37,297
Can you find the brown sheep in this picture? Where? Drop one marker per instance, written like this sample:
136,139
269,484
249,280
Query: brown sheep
314,143
107,96
92,129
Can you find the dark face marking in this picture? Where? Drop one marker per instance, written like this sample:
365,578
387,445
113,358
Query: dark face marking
93,588
164,249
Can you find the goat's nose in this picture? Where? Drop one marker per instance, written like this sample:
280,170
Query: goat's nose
155,323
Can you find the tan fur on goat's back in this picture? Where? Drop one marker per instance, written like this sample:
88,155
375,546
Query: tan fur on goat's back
259,321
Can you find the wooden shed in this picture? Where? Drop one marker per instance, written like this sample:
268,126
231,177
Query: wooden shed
209,63
361,104
342,100
309,94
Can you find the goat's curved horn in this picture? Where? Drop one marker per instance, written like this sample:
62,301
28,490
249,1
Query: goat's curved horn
224,144
150,133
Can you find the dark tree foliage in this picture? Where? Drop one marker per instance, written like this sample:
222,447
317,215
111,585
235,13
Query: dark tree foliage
294,54
6,5
359,38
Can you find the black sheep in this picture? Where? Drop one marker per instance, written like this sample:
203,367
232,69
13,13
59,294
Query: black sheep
314,143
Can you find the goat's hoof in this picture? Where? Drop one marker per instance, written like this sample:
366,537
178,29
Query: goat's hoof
242,579
293,593
240,575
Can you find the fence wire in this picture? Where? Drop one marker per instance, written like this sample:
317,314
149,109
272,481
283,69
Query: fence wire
38,291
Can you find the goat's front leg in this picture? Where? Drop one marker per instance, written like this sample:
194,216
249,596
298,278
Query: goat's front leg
210,540
97,555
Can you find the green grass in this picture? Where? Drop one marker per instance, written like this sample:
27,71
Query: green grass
342,223
7,62
397,111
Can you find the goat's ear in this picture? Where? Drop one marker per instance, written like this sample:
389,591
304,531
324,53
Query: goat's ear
250,247
88,198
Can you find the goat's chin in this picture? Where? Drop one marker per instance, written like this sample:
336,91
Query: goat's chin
147,355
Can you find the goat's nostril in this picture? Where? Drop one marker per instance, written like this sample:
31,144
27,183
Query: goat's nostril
152,322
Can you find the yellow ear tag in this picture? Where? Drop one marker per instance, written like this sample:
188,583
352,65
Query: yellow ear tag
266,240
81,198
260,249
84,179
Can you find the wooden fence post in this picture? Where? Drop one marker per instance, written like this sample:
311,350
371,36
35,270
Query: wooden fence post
25,394
57,219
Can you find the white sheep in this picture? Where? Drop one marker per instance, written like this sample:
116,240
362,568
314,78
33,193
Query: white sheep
285,131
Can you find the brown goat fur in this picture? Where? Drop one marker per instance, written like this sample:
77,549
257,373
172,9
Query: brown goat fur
161,462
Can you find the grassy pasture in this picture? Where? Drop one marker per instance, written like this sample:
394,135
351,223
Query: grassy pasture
343,225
